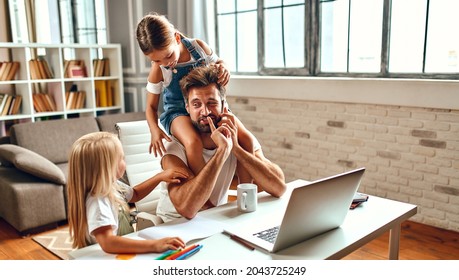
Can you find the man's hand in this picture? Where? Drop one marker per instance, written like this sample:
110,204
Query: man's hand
228,120
222,136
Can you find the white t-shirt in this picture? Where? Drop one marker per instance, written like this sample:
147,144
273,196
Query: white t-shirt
100,212
166,209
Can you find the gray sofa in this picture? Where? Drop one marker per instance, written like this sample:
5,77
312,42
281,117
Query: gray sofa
33,168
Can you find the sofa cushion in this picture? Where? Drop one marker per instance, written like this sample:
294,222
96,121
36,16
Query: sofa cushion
54,138
31,162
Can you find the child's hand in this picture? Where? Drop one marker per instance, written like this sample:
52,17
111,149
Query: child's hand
168,243
174,175
223,74
157,144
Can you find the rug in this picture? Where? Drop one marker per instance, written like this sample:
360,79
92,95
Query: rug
57,242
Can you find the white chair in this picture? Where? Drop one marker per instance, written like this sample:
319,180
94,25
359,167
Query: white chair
140,165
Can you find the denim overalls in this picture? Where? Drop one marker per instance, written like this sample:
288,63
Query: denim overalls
173,102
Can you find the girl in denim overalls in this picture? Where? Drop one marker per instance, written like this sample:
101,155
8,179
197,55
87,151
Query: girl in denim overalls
172,57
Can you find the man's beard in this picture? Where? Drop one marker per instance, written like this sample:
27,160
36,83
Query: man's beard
205,128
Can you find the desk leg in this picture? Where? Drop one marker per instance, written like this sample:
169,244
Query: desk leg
394,242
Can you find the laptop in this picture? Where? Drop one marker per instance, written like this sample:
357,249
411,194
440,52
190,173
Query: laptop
312,209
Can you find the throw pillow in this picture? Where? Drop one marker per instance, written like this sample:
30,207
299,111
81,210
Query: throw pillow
31,162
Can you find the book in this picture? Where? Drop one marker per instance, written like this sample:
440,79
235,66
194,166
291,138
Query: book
101,93
49,100
41,69
49,73
106,72
36,105
109,93
6,107
34,72
3,98
66,67
75,69
2,68
358,199
10,109
17,104
13,70
95,66
101,67
80,100
70,100
43,102
6,71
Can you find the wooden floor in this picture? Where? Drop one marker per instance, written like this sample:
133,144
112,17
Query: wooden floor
417,242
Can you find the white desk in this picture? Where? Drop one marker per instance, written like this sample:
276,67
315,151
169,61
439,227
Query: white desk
363,224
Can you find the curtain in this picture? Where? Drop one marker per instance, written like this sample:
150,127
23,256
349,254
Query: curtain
193,18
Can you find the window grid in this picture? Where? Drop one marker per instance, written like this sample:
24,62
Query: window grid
312,45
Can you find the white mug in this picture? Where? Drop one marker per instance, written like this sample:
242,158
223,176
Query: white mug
247,197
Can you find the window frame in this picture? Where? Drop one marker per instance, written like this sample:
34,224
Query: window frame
312,48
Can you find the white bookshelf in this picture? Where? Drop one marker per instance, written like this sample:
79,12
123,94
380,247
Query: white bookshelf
55,56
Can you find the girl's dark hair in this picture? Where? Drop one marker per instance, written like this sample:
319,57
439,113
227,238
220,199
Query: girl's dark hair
154,32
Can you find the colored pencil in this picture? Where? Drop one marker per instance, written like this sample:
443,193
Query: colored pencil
167,254
189,253
181,252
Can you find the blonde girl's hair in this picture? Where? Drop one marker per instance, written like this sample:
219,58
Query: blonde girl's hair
93,164
155,32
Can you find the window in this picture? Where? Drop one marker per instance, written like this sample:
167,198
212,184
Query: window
361,38
237,33
351,36
58,21
283,30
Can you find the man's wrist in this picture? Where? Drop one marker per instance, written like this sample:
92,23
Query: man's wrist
223,151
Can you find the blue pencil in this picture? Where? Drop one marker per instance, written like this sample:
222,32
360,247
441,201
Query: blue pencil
190,253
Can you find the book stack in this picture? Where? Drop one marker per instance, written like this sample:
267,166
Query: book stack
8,70
101,67
43,102
74,69
9,104
39,69
104,94
75,99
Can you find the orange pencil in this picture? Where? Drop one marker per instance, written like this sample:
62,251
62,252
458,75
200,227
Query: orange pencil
181,252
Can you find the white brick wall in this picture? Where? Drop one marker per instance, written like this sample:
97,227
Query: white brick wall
411,154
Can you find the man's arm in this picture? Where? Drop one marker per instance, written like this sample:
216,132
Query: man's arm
265,173
256,166
191,194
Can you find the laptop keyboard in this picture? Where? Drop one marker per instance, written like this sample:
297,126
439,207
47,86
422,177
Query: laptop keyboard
268,234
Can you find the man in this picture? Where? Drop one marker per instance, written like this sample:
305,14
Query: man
204,101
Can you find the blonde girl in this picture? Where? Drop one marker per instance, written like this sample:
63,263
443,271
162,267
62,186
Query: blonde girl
97,202
172,57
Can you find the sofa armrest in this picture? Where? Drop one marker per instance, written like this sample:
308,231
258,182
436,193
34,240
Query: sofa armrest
31,162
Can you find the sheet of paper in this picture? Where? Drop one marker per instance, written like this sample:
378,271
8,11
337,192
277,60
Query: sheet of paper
196,228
